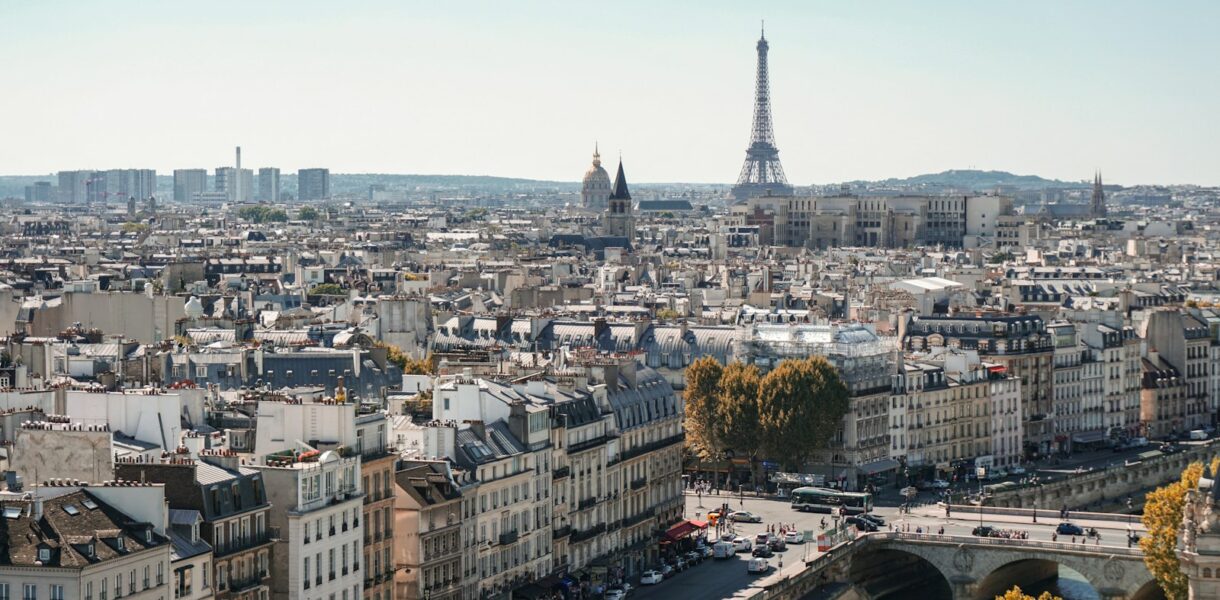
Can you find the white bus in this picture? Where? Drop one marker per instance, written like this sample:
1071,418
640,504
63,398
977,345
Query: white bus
815,499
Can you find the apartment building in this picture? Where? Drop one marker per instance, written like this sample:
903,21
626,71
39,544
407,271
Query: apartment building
317,506
232,502
91,543
428,544
1117,348
1182,341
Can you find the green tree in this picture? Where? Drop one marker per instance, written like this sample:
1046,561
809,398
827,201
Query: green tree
1163,518
801,405
667,314
1016,594
307,213
326,289
131,227
736,424
702,382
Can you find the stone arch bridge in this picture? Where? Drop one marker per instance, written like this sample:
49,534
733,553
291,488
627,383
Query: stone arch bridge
884,564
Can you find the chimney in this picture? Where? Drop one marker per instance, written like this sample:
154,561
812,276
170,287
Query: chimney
237,182
37,507
478,428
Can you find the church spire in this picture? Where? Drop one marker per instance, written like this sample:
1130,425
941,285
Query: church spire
597,156
619,190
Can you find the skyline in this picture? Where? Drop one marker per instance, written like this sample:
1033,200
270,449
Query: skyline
874,92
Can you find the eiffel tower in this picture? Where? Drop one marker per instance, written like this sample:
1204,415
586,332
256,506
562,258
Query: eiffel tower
762,175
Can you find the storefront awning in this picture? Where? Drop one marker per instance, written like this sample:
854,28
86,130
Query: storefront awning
681,530
698,524
1089,437
885,464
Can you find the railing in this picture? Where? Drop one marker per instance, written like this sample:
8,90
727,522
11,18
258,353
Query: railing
639,483
1134,552
561,532
587,444
582,535
646,448
561,472
586,503
244,544
508,537
637,519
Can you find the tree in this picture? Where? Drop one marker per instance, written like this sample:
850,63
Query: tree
702,382
667,314
801,404
307,213
326,289
133,227
409,366
1016,594
1163,518
736,424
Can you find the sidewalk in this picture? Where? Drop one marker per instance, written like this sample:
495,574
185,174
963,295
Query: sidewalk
990,518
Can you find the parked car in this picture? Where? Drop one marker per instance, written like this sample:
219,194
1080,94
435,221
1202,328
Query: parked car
1198,434
678,563
983,531
666,571
778,544
743,544
745,516
651,578
757,565
873,518
794,537
1066,528
1016,470
763,550
706,551
693,558
861,524
615,594
727,537
762,538
940,484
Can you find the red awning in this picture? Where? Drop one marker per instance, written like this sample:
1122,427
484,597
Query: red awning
679,531
699,524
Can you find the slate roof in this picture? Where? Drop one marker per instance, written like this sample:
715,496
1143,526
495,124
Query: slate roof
68,534
619,191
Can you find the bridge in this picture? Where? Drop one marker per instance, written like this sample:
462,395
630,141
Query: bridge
884,564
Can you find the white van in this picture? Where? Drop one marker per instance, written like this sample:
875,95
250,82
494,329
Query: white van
1198,434
757,565
723,549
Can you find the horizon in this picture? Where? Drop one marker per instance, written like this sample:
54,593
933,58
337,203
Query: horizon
859,93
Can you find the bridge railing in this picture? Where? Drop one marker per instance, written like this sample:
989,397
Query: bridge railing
990,541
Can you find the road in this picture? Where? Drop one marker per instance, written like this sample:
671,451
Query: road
728,578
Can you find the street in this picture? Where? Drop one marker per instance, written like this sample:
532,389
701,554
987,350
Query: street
728,578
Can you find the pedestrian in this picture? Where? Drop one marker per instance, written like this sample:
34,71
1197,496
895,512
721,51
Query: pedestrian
1054,536
941,531
1073,539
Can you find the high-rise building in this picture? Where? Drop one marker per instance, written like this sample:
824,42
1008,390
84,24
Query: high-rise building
118,185
762,175
188,182
235,189
268,184
595,188
74,186
313,184
41,191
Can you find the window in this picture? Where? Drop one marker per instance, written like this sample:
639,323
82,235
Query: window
118,585
4,592
30,592
146,569
306,572
57,592
161,574
105,588
131,585
44,554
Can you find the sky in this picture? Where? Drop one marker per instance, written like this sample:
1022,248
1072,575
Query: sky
860,90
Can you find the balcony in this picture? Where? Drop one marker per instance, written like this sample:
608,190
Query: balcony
561,532
637,519
657,445
586,503
508,537
248,543
596,530
639,483
561,472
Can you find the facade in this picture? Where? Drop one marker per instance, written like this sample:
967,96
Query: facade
428,541
188,183
1117,349
595,187
73,542
191,556
1079,390
1020,344
268,185
1164,410
236,184
1182,341
74,186
942,413
317,508
313,184
234,517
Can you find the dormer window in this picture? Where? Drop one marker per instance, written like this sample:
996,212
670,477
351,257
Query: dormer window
44,554
148,537
120,543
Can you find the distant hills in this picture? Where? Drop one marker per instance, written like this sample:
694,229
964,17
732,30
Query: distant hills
976,180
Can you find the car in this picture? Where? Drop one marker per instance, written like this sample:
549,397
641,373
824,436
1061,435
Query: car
983,531
757,565
744,516
651,578
615,594
666,571
1066,528
762,538
678,563
762,550
1016,470
706,551
778,544
724,550
626,587
872,518
794,537
742,544
940,484
861,524
694,557
727,537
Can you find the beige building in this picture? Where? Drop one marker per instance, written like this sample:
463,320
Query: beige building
428,544
87,543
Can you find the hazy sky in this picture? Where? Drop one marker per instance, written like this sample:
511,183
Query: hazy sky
860,90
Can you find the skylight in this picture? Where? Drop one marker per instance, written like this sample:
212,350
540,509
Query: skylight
12,512
89,504
71,509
